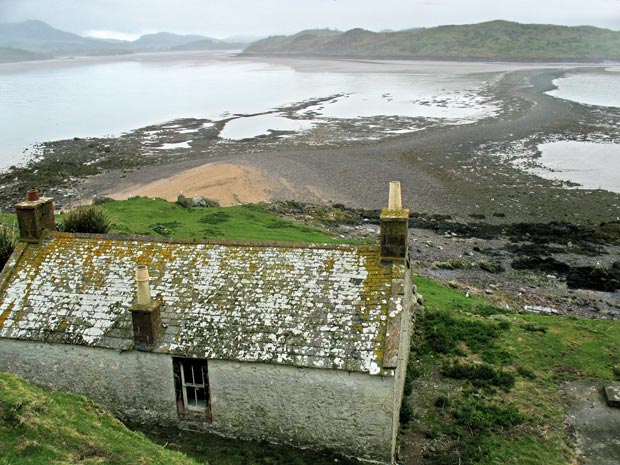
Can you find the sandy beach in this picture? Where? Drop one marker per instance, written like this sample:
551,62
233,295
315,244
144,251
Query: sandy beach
223,182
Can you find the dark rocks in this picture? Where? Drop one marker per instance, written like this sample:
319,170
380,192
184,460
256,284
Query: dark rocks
184,201
491,267
547,264
596,279
196,201
200,201
161,229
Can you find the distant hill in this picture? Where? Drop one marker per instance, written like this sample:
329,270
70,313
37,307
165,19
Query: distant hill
38,39
8,54
163,41
494,40
210,44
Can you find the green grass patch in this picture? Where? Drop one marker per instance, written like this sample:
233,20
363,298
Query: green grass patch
39,428
440,297
500,374
157,217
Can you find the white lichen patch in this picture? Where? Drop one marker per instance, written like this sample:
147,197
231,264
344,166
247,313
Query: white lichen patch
308,306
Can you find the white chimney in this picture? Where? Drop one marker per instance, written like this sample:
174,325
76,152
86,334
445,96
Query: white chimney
142,279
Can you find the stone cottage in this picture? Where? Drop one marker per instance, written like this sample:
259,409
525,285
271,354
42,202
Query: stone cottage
305,344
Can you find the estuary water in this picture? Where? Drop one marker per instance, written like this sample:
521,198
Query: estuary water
593,88
88,97
591,165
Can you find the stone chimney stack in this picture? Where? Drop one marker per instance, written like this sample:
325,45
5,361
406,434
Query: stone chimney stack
35,216
145,313
394,226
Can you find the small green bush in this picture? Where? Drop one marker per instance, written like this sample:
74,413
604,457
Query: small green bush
412,373
7,244
534,328
86,219
526,373
406,413
443,332
481,375
481,415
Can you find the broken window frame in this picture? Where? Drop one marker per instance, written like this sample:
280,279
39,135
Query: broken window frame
184,409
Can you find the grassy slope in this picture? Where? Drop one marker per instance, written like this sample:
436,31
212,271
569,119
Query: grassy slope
538,351
40,428
490,40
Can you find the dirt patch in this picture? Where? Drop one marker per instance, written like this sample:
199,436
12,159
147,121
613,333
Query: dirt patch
594,423
226,183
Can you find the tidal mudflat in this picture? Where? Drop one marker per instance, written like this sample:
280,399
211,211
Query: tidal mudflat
325,129
88,97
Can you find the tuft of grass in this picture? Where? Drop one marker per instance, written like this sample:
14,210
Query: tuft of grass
482,415
7,243
480,375
86,219
446,334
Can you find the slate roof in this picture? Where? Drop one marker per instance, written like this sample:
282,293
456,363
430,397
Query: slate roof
306,305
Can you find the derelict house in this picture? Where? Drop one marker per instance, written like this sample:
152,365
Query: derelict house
303,344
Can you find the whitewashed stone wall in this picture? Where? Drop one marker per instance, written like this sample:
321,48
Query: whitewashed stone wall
349,412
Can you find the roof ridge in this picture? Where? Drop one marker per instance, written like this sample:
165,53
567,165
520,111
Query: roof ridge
225,242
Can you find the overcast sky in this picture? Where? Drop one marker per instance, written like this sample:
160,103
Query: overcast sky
221,18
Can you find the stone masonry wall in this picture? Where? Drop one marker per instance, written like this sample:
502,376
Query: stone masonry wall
348,412
132,385
403,356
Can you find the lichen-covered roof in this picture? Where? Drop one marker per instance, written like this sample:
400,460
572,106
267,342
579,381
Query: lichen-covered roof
304,305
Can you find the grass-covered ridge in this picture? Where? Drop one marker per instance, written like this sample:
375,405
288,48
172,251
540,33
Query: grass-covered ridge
157,217
41,428
491,40
497,376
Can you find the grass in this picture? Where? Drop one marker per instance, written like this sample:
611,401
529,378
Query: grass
500,374
40,428
157,217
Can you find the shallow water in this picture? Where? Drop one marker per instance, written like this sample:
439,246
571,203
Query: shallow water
593,166
59,99
243,128
599,88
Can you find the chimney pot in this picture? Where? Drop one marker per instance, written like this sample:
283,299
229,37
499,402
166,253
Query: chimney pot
395,200
145,313
142,279
32,195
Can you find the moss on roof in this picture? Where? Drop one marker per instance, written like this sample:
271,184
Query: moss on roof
323,306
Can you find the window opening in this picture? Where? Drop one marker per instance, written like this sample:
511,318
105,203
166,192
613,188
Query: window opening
192,386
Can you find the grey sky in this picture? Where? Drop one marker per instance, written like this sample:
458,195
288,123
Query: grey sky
220,18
